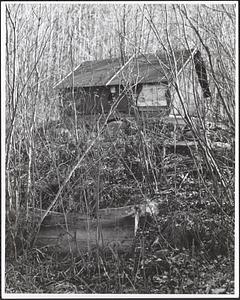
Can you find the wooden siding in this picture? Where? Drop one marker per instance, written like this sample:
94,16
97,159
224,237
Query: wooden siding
88,101
191,93
92,101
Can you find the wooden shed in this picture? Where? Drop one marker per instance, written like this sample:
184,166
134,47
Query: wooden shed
146,81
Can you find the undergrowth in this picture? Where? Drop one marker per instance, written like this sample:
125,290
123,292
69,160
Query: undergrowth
187,249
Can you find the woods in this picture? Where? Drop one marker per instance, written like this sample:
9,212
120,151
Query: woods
175,149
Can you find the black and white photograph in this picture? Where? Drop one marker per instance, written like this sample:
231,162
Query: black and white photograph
119,149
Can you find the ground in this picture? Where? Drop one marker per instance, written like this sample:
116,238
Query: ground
188,248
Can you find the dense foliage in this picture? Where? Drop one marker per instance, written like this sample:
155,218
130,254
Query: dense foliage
189,246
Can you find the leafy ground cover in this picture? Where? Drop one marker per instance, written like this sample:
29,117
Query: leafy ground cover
187,249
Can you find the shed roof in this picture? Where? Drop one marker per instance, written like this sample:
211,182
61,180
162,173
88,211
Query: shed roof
146,68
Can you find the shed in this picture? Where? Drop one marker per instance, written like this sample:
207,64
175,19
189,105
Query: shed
145,82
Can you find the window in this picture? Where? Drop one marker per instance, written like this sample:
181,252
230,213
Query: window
154,95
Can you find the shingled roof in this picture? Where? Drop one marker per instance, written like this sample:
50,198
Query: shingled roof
146,68
91,73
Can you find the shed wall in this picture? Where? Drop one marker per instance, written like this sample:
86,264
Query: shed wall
191,93
93,100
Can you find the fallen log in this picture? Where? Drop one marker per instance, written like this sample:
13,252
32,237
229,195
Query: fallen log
114,228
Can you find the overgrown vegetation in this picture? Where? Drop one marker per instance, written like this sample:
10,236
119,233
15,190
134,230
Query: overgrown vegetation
188,248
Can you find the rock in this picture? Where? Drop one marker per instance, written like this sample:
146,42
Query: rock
218,291
220,145
161,253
